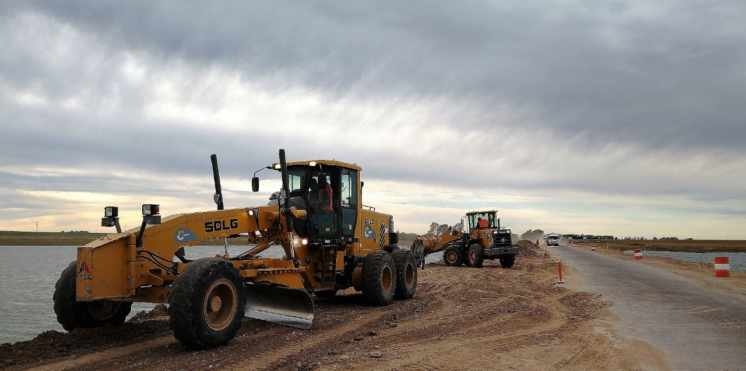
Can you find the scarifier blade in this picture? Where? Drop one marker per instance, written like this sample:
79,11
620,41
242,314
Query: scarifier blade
287,307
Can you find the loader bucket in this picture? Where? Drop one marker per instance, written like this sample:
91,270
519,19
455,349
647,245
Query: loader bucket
287,307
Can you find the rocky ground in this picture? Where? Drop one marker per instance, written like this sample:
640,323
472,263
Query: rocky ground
461,318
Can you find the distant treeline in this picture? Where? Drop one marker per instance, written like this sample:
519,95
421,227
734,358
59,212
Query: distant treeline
71,238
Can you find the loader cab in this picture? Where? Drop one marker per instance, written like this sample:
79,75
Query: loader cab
482,220
329,192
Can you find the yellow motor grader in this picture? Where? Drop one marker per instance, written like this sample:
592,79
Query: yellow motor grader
329,239
484,239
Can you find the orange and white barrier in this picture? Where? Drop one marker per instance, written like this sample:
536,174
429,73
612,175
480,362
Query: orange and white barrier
722,266
638,254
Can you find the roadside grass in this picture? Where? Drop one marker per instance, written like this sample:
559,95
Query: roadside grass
700,246
14,238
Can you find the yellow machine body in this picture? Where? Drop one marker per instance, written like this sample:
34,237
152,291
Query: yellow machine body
116,268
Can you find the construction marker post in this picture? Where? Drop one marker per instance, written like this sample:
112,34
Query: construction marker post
560,278
722,266
638,254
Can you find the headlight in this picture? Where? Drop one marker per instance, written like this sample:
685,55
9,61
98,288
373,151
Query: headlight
251,212
111,211
150,209
304,241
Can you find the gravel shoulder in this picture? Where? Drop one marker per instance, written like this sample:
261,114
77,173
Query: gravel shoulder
669,305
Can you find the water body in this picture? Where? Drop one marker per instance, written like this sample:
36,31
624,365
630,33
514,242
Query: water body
27,278
737,259
28,275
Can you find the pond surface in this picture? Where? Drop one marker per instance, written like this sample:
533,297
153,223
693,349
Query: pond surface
737,259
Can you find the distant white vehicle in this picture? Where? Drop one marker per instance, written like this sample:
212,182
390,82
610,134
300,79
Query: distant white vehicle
552,240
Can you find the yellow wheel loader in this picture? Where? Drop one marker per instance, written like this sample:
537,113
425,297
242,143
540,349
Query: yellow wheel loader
484,239
329,239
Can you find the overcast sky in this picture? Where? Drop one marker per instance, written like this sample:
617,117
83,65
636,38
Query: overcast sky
613,117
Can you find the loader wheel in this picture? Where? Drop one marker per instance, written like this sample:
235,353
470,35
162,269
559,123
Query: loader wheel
406,274
379,278
475,256
507,261
72,314
206,304
452,257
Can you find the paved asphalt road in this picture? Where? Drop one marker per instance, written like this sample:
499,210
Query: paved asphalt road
697,328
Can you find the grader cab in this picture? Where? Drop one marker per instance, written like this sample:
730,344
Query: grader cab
329,240
484,239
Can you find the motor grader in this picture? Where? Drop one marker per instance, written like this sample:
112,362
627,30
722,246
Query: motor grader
329,239
484,239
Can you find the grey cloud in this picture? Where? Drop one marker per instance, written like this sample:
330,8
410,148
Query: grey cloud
602,71
594,76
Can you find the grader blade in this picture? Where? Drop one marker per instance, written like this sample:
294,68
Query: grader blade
287,307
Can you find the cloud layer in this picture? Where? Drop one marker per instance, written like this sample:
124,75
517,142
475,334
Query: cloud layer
531,107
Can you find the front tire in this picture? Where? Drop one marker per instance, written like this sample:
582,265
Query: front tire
452,256
475,256
379,278
206,304
507,261
406,274
72,314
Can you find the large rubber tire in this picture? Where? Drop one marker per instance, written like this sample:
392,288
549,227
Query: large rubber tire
507,261
72,314
199,320
475,256
452,256
379,278
406,274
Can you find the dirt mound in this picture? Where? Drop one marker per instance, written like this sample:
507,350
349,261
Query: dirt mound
159,312
53,344
460,318
528,248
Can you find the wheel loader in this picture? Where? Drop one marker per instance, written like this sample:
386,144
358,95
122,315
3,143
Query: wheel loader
484,239
330,241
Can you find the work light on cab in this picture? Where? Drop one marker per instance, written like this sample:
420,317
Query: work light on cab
111,218
150,209
151,214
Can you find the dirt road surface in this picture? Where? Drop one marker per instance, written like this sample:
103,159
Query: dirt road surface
696,325
461,318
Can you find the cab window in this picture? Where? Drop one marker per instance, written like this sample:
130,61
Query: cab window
347,189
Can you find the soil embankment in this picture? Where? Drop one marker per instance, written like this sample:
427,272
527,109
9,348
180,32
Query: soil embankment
461,318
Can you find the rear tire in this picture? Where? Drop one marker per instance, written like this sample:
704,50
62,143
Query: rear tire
507,261
72,314
406,274
475,256
206,304
379,278
452,256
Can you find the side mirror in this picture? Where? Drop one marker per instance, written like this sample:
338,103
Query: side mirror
255,184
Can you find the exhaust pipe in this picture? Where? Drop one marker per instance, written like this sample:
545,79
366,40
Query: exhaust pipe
218,197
